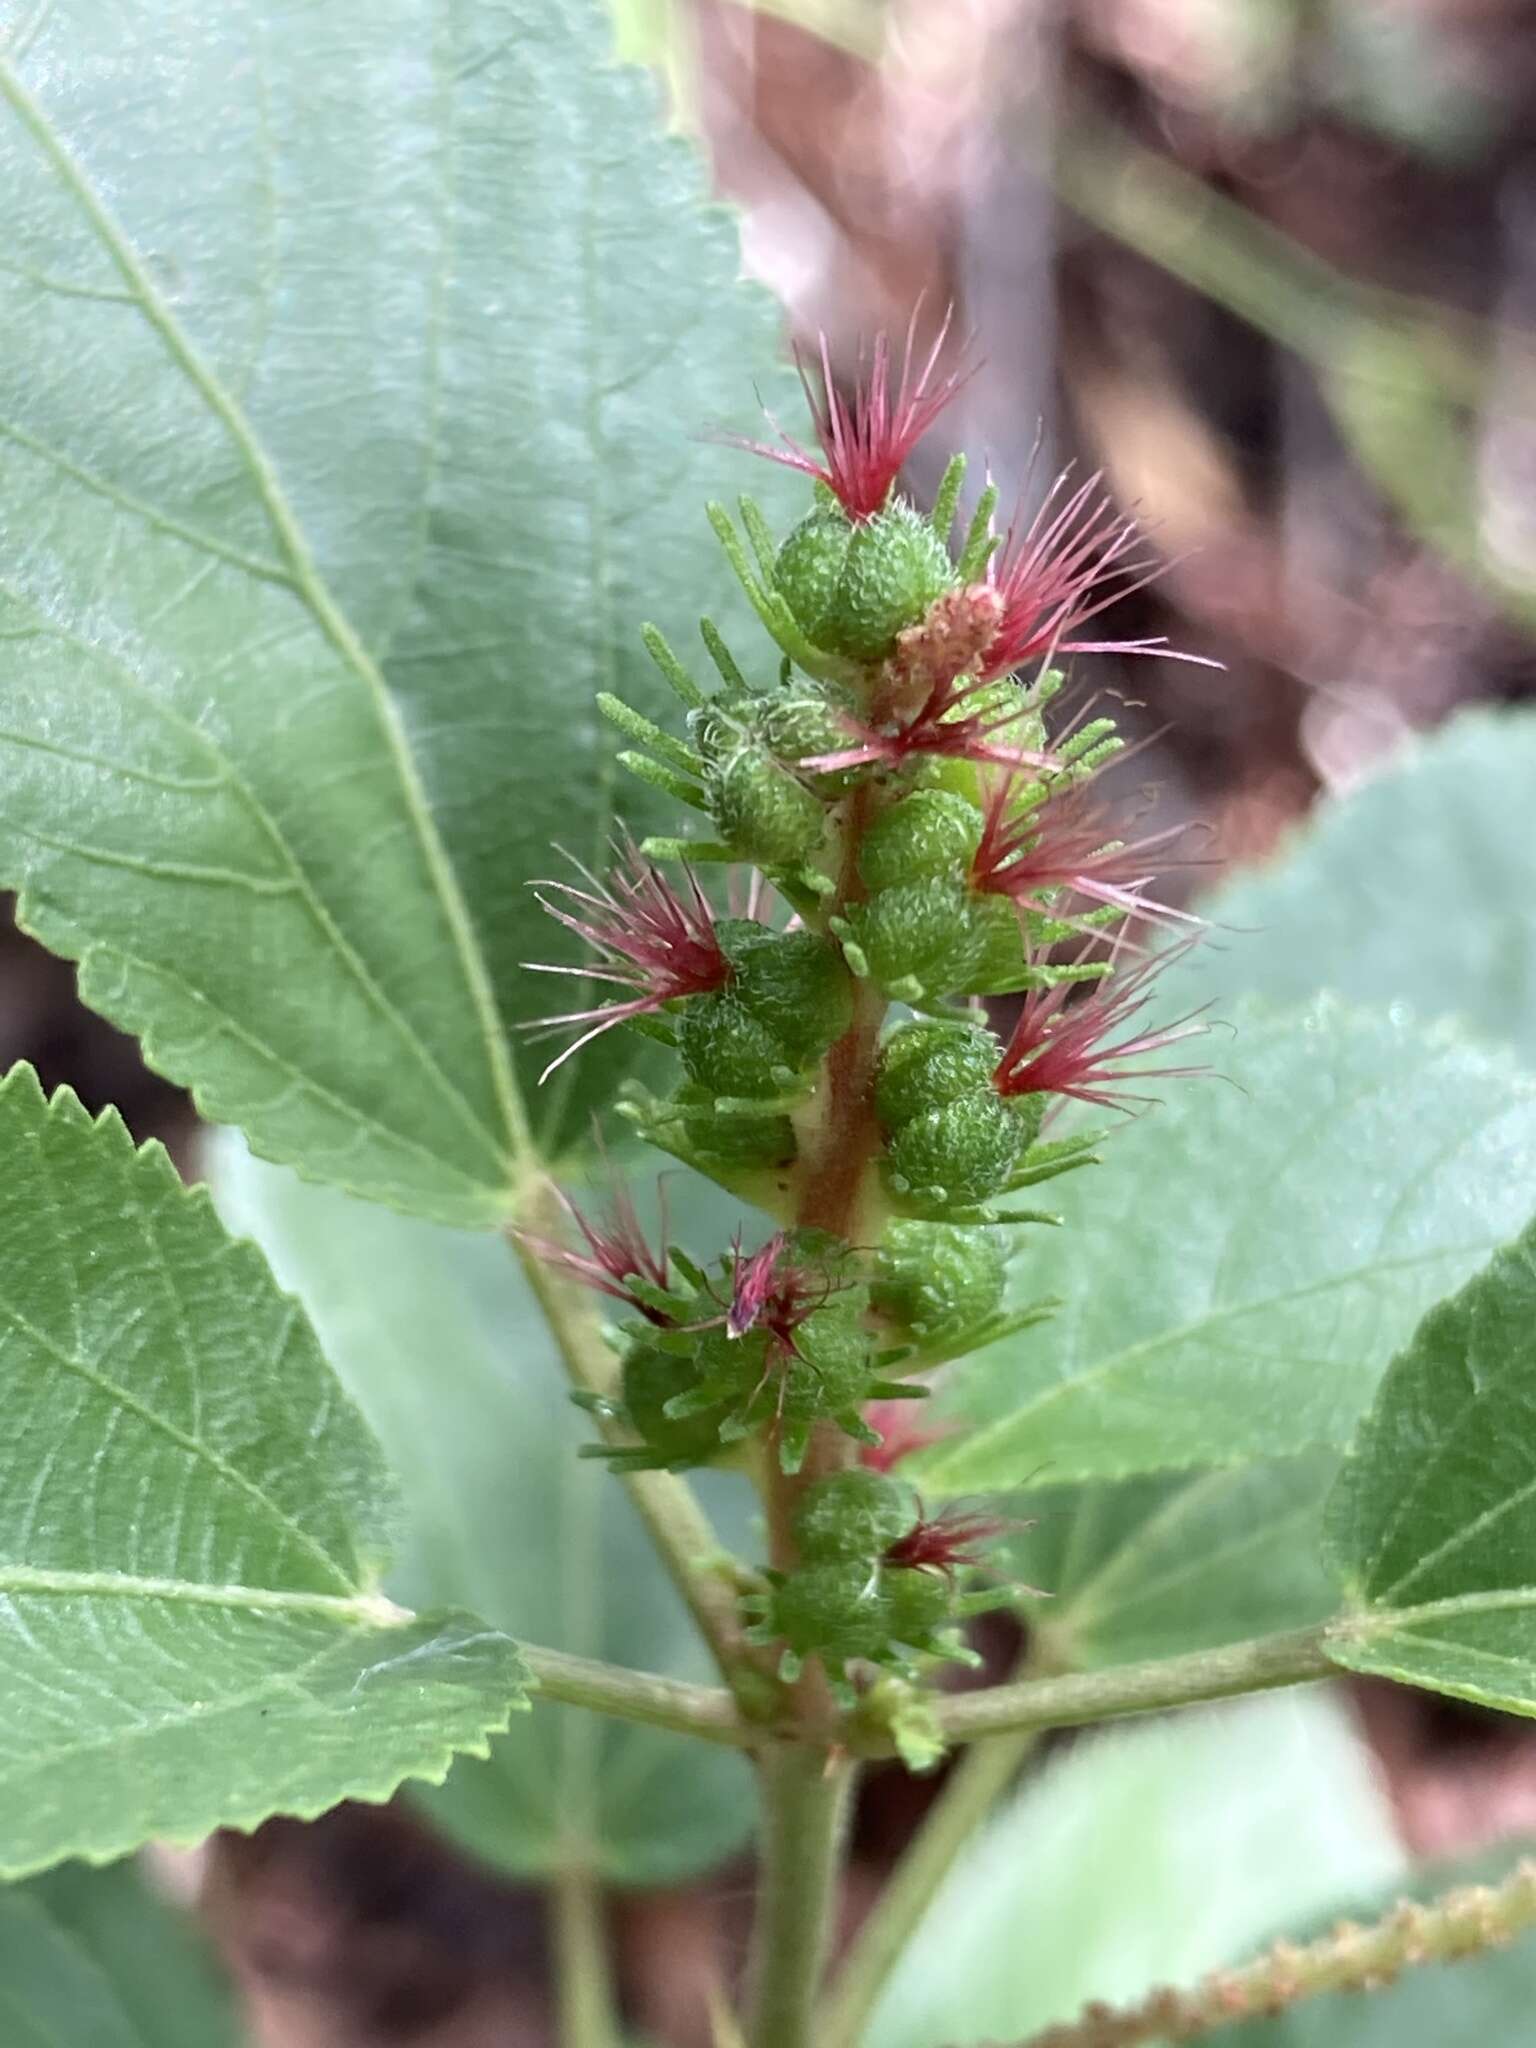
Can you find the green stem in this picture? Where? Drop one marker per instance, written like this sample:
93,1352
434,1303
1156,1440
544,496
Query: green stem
975,1785
1034,1703
588,2016
1461,1923
805,1797
668,1506
706,1711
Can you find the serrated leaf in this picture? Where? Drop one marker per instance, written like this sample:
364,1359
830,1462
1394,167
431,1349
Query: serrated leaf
1157,1566
1139,1857
350,365
1414,888
1247,1259
192,1523
436,1336
1432,1526
93,1959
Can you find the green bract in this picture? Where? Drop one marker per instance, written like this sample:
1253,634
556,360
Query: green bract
852,589
937,1280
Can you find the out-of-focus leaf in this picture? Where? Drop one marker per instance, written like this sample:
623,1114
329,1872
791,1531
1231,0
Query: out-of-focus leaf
1142,1857
93,1959
1246,1260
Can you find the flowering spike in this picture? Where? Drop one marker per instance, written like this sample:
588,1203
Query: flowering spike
1066,841
866,439
617,1250
945,1542
658,942
770,1292
1058,1045
1076,557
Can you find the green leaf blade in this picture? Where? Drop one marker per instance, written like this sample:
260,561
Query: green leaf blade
1432,1526
323,543
503,1517
1241,1268
1413,888
93,1956
193,1520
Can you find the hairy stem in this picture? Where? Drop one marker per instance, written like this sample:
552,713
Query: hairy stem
667,1505
1461,1923
1035,1703
805,1798
644,1696
588,2016
975,1785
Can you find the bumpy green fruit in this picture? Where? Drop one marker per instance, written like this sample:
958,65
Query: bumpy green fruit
794,983
764,813
809,567
921,940
648,1381
895,567
931,832
938,1280
853,1515
928,1064
835,1610
801,725
916,1603
727,1049
969,1149
788,998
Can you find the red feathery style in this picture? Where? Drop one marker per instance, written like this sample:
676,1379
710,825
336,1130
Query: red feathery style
1076,557
957,720
866,439
649,938
770,1292
1058,1046
617,1250
899,1432
1066,840
945,1542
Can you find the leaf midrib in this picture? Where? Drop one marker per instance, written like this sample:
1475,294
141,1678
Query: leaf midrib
307,580
360,1610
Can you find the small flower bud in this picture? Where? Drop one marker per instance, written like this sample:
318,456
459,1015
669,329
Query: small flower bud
802,726
938,1280
853,1515
765,814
